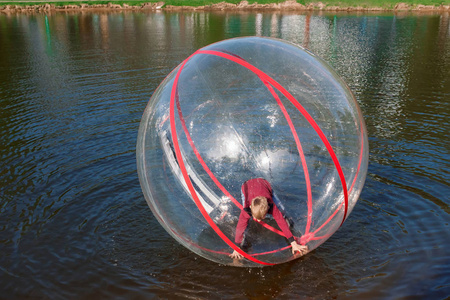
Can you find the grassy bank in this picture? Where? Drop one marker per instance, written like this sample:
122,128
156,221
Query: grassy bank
385,4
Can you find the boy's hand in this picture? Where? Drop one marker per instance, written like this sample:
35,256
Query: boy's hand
300,248
236,255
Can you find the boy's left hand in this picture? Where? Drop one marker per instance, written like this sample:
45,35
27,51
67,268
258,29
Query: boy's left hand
303,249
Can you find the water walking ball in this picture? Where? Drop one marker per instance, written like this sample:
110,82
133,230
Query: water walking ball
248,108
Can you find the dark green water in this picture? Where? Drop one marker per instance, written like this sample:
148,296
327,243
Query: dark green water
74,222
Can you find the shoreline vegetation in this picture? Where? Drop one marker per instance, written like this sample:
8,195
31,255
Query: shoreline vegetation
230,5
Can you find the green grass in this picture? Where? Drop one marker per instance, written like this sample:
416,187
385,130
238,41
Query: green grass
138,3
342,3
75,2
378,3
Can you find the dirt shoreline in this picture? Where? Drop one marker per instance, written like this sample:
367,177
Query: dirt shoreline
289,5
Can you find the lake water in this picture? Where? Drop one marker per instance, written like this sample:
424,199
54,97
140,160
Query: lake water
74,222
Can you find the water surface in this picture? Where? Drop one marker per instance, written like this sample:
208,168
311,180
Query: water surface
74,222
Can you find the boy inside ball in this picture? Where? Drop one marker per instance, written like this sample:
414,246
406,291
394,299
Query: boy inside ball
258,201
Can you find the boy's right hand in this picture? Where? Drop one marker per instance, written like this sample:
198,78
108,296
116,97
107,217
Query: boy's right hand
236,255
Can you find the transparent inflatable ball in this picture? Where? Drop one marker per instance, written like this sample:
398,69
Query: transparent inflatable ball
243,109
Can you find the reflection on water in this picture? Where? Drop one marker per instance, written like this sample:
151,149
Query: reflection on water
73,220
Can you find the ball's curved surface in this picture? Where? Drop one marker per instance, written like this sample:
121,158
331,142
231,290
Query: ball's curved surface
245,108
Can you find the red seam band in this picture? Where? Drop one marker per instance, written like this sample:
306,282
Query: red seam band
186,176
